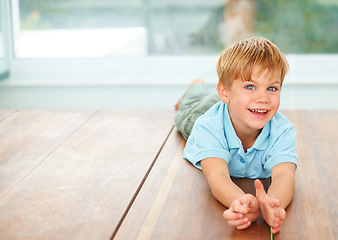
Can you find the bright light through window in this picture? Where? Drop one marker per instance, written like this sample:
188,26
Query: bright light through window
58,43
106,28
1,32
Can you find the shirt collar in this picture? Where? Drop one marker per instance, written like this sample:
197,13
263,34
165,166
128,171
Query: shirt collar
261,142
231,136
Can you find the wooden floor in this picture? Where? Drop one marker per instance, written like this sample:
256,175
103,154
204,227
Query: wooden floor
120,175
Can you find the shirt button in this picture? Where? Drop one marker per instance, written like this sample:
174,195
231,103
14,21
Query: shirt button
242,160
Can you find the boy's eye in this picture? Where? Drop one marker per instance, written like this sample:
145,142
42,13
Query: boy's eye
272,89
250,87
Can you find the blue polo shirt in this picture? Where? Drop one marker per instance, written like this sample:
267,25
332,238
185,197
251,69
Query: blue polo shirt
213,135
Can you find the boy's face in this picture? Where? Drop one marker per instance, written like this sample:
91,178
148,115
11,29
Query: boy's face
252,104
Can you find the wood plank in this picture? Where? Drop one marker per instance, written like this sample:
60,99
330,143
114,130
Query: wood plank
313,211
83,188
28,137
4,113
175,201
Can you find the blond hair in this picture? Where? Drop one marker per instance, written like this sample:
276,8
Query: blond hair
239,60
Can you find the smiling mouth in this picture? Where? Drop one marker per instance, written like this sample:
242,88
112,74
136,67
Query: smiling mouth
259,111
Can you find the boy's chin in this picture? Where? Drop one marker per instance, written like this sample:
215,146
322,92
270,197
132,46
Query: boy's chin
259,124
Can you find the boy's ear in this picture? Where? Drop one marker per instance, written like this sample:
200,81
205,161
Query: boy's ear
222,92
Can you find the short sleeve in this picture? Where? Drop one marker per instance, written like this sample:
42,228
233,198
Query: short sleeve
205,142
283,149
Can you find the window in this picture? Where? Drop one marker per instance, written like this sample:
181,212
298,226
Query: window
91,28
105,28
4,67
133,49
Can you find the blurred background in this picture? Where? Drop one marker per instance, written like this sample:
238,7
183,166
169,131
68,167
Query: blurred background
142,54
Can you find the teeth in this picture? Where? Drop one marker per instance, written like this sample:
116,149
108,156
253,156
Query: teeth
259,111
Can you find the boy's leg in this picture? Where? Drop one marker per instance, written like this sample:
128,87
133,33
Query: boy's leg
199,95
194,103
196,92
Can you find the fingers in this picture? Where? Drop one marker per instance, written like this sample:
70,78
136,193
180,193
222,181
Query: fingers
244,204
275,230
260,192
278,221
241,223
248,200
244,226
272,213
238,222
277,225
281,214
272,203
239,207
242,212
231,215
236,219
278,213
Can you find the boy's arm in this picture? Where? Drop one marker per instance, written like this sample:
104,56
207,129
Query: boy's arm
279,195
243,209
283,183
222,187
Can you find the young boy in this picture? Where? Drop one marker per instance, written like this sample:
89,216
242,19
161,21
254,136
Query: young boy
242,134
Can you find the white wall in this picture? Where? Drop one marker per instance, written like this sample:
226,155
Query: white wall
151,82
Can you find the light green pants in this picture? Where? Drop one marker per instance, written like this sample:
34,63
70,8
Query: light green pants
194,103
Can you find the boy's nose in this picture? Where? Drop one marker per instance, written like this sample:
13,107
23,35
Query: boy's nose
262,97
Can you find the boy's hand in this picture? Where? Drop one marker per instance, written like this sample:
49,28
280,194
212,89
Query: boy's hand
242,212
271,211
